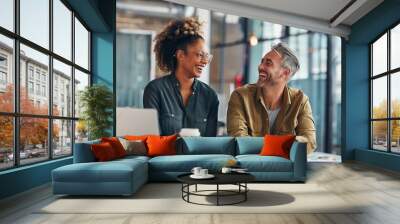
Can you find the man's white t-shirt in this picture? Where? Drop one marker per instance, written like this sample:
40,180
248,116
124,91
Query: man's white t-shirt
272,114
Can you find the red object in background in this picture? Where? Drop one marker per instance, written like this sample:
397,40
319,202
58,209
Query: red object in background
238,80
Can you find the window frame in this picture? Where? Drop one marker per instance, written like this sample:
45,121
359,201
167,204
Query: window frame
388,74
16,114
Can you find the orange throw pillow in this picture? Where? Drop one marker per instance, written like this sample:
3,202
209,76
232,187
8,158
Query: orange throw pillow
136,137
103,152
116,145
277,145
161,145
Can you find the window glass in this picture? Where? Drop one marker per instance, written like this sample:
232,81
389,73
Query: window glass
33,140
62,89
34,21
81,45
81,81
7,14
62,138
395,47
379,56
39,62
379,98
81,131
379,135
6,74
395,136
395,95
6,142
62,29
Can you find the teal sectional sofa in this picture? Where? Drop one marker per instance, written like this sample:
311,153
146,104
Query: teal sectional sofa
125,176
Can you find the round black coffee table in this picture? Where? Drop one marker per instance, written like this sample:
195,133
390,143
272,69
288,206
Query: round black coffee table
238,179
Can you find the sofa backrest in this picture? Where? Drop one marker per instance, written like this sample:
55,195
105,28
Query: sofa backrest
83,153
207,145
249,145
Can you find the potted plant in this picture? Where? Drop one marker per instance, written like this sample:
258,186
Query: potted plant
96,102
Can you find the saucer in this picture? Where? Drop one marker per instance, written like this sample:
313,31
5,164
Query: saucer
240,171
208,176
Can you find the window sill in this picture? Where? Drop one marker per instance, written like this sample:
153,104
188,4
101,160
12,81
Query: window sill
26,167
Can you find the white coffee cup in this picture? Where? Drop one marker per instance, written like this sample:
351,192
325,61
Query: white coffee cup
226,170
196,170
203,172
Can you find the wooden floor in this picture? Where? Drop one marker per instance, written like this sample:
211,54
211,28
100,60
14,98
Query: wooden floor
377,188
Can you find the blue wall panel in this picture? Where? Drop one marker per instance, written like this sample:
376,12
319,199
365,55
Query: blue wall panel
380,159
356,99
356,84
24,178
103,52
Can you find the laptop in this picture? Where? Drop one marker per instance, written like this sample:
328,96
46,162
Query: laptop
137,121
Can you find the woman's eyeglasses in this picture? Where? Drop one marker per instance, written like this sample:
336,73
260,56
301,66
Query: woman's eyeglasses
204,56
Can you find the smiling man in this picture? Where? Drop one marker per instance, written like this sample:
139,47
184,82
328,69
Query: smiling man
270,106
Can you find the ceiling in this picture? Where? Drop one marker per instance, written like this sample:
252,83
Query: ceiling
326,16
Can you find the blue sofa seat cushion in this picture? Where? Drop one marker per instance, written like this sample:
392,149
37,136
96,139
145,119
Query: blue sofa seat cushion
184,163
206,145
111,171
131,158
257,163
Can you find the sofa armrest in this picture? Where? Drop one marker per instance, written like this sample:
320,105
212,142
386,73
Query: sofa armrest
298,155
83,152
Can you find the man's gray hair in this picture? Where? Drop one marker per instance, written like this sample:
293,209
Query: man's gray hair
289,59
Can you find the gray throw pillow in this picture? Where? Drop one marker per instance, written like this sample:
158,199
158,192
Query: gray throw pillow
136,147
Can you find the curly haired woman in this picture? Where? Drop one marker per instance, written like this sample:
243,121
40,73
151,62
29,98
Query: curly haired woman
181,100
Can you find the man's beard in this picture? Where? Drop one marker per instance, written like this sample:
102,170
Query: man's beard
266,80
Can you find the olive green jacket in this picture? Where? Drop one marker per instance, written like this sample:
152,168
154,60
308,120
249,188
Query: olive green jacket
247,115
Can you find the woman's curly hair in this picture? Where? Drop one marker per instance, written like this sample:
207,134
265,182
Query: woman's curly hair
177,35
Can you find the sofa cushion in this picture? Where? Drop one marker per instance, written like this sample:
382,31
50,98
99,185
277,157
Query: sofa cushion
257,163
83,152
103,152
111,171
136,137
132,158
134,147
161,145
185,163
277,145
207,145
249,145
116,145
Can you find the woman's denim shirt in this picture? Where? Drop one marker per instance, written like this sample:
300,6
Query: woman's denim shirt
201,111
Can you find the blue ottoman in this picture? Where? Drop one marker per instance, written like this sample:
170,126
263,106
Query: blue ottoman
118,177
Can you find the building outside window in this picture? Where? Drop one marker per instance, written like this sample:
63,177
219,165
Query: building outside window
30,87
43,90
44,77
3,78
3,61
30,72
3,72
38,89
